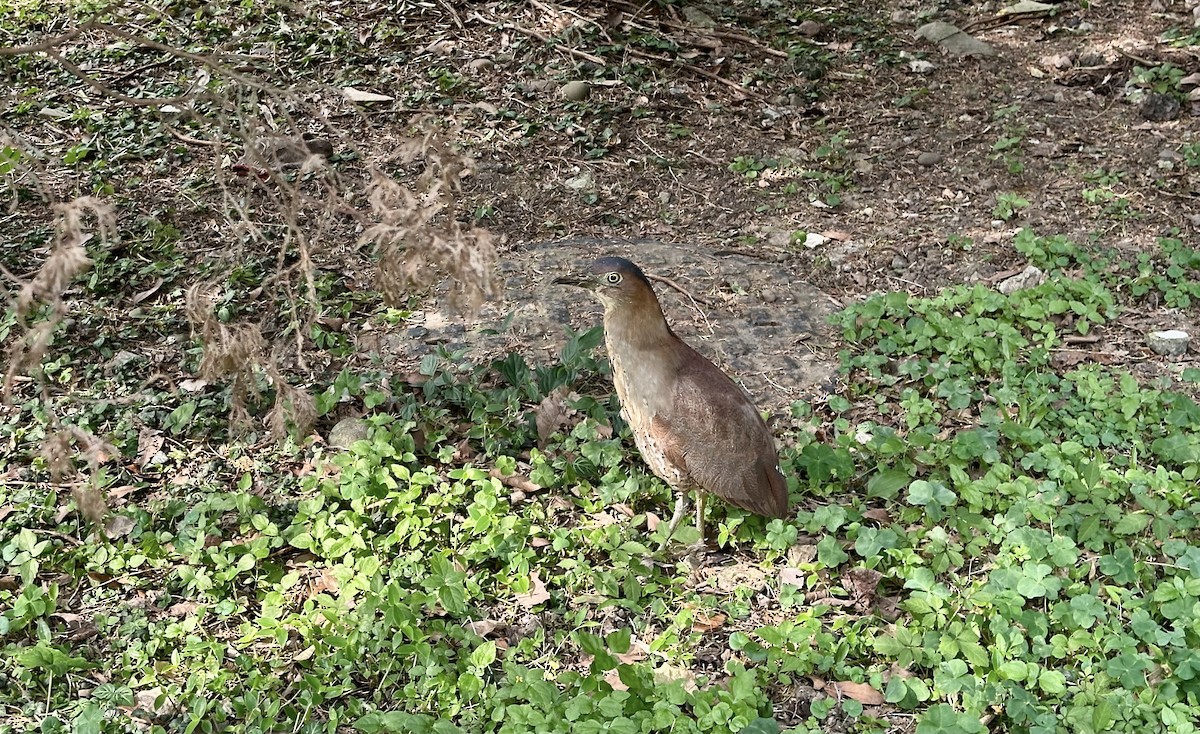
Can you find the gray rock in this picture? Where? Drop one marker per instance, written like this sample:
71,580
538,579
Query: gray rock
1169,343
576,91
1160,107
698,17
810,29
949,37
481,66
1031,276
929,158
347,431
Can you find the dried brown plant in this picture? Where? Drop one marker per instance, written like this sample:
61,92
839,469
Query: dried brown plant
294,412
231,352
418,236
68,259
61,449
287,193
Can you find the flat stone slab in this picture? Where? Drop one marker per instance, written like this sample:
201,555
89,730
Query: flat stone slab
757,319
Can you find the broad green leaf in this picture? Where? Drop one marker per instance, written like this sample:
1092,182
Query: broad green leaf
484,655
887,484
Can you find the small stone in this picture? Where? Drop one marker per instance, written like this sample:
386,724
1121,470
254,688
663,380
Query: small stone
1085,27
576,91
1057,61
1169,154
1160,107
347,431
1031,276
481,66
54,113
900,263
123,358
929,158
809,29
1169,343
698,17
1092,59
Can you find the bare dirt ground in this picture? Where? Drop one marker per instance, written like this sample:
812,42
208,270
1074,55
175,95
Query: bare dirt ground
920,146
713,142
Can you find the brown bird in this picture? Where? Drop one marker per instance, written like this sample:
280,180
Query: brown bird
694,426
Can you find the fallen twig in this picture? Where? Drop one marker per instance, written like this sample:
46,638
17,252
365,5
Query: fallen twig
676,286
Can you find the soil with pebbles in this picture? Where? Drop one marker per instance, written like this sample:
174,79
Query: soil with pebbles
921,147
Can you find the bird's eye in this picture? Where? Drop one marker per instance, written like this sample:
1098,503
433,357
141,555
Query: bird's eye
612,278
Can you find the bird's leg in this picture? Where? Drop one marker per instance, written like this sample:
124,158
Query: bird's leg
700,544
680,504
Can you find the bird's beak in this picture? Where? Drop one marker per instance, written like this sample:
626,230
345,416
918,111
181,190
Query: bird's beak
582,280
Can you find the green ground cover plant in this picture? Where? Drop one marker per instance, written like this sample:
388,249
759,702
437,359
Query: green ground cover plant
994,528
1031,532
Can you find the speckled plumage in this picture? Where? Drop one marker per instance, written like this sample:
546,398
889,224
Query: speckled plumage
693,425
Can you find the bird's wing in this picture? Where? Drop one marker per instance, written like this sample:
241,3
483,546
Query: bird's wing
715,433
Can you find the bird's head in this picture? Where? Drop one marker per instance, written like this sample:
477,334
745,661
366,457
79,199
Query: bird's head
615,281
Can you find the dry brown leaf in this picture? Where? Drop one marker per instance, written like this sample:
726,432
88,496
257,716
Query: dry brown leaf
139,297
664,674
90,502
637,651
802,553
536,542
861,692
117,493
183,609
537,593
862,583
150,442
652,521
325,582
604,519
836,234
624,509
516,481
145,702
484,627
118,526
791,576
613,678
358,95
708,624
879,515
550,413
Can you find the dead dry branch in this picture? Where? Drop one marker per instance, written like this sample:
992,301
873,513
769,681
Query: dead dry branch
418,236
67,260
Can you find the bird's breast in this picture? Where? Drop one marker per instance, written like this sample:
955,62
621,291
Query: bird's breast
645,386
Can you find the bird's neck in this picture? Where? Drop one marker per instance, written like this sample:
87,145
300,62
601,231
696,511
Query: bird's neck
640,326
